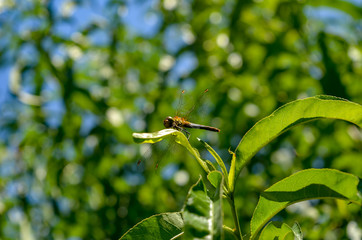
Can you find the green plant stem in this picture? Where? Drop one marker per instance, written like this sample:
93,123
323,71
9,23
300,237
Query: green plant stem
235,215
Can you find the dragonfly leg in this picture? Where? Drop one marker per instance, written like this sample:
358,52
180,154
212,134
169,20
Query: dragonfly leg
187,134
183,130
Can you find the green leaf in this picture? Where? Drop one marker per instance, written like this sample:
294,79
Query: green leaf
277,230
297,231
280,231
217,158
158,227
203,210
153,137
232,172
290,115
179,138
229,234
210,165
215,178
301,186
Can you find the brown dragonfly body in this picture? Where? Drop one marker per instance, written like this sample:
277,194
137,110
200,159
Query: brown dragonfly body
180,124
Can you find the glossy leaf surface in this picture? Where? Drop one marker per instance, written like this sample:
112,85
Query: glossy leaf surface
291,115
158,227
301,186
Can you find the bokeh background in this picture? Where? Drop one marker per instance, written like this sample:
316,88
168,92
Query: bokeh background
77,78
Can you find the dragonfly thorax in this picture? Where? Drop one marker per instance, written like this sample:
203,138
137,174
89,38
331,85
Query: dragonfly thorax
174,122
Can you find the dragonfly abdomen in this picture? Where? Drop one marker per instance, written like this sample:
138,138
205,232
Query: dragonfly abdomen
199,126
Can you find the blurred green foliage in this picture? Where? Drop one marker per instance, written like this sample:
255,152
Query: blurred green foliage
78,77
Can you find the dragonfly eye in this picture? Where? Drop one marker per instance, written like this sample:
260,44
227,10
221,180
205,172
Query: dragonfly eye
168,122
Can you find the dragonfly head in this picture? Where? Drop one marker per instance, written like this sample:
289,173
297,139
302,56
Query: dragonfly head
168,122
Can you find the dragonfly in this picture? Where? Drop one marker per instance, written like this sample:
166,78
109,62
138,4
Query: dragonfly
180,123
